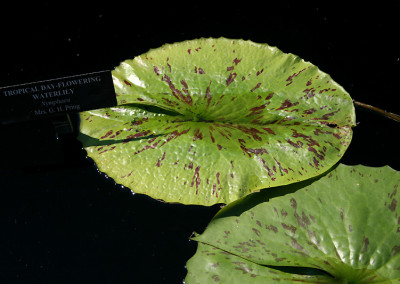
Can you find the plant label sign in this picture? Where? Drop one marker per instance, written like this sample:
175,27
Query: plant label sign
57,96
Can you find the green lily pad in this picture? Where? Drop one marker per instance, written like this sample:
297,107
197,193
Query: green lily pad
342,228
211,120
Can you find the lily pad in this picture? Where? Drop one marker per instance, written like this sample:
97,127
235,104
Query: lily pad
211,120
342,228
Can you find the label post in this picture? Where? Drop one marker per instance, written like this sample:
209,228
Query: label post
57,96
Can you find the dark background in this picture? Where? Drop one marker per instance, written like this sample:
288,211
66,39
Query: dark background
63,222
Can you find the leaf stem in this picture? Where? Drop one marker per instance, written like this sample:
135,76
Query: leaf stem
390,115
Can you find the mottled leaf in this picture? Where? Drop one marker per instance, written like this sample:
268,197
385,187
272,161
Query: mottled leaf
213,265
209,121
345,225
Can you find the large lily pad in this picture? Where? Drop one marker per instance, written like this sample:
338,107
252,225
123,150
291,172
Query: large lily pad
208,121
342,228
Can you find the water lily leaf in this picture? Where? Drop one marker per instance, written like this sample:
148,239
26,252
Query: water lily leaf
344,227
208,121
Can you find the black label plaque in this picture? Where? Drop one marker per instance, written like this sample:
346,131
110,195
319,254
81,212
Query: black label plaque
57,96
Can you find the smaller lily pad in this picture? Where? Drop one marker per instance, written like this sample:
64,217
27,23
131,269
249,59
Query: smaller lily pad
209,121
342,228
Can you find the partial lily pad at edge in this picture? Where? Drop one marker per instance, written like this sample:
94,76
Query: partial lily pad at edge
345,225
211,120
